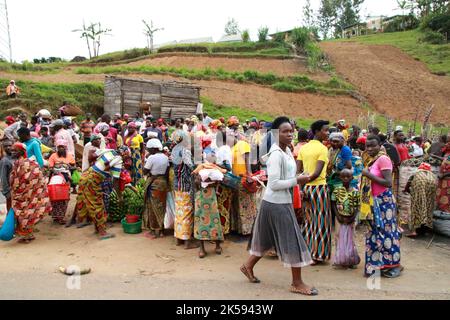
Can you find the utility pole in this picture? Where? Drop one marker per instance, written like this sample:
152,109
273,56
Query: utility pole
5,32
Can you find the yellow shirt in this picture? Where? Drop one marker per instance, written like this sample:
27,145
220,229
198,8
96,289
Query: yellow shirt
238,153
346,134
135,142
309,154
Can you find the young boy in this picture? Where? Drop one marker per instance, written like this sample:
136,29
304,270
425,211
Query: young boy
346,199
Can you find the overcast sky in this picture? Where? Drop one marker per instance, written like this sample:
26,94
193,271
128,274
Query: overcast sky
42,28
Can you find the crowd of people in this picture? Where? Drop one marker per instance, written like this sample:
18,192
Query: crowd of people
285,187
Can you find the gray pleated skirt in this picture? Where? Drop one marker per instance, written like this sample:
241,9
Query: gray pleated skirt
276,227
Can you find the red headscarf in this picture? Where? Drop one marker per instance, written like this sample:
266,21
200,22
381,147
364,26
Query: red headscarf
361,140
425,166
10,120
20,146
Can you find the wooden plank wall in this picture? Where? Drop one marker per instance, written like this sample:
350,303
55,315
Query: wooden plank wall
112,102
182,100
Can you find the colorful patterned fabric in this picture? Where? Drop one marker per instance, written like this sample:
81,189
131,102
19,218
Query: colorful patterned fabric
108,156
347,201
207,224
358,168
90,203
29,195
317,224
137,168
224,200
383,238
184,215
443,193
107,188
155,204
59,209
423,196
245,211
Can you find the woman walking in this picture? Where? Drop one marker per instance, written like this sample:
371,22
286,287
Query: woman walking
28,193
422,187
156,167
135,142
276,225
383,237
313,160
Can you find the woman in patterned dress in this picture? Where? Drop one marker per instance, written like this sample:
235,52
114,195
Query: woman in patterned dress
183,166
29,194
422,187
383,236
207,225
135,142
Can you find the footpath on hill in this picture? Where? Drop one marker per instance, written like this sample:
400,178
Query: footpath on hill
393,82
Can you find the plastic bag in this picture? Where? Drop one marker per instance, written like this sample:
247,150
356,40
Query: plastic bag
76,176
169,218
7,229
297,199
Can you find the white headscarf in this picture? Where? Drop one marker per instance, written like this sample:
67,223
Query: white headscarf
154,144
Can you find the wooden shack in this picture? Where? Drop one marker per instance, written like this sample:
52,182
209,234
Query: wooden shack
167,98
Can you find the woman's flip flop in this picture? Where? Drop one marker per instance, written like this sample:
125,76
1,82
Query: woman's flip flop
312,292
250,278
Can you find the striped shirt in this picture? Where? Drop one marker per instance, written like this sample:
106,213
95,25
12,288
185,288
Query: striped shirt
115,163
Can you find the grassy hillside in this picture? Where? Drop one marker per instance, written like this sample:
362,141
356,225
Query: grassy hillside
435,56
35,96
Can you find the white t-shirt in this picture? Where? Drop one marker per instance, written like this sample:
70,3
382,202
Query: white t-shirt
224,154
417,150
157,164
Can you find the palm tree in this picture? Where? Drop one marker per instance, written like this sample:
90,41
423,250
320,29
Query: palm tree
149,31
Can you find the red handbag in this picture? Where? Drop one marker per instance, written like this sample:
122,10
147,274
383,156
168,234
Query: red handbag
297,199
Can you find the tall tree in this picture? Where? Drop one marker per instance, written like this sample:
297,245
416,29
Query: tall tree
308,15
327,13
149,32
232,27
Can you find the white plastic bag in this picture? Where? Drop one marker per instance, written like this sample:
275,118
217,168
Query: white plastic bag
169,218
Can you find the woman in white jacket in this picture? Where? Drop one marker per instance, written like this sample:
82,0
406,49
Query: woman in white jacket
276,225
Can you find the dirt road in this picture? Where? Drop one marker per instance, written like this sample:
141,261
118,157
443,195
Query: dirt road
134,267
392,81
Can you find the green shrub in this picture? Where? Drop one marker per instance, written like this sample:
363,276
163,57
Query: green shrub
432,37
301,80
314,54
262,34
402,23
300,37
279,37
245,36
240,78
251,75
190,48
285,86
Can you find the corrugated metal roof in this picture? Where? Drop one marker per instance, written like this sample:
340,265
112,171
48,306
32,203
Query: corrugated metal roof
231,38
197,40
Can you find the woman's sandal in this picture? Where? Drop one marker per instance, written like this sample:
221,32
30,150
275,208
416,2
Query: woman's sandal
312,292
201,254
218,251
250,278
